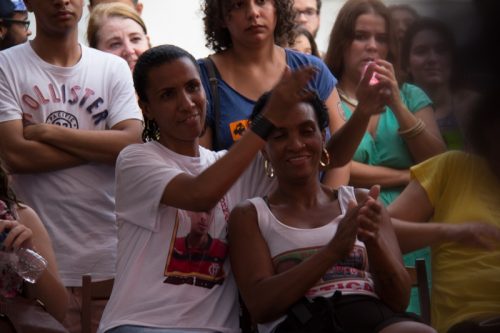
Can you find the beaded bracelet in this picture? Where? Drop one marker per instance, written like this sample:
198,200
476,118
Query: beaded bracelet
262,126
413,131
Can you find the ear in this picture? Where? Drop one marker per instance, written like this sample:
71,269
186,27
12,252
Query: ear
323,136
139,7
3,31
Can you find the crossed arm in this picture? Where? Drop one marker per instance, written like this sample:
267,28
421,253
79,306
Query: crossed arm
46,147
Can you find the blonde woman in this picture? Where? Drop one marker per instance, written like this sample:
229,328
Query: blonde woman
118,29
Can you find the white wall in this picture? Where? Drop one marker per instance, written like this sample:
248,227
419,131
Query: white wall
180,22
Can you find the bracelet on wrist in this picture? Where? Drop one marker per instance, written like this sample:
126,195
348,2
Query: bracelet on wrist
413,131
262,126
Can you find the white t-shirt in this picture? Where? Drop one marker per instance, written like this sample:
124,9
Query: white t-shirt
75,204
160,280
288,246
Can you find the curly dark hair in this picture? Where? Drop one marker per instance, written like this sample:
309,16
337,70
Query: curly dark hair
319,107
218,37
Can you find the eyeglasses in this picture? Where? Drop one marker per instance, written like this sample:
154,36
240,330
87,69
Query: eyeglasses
26,23
309,12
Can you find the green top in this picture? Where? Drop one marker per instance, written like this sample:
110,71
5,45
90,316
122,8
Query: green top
388,148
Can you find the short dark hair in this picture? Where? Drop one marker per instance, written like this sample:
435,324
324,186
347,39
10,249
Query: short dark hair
218,37
319,107
149,60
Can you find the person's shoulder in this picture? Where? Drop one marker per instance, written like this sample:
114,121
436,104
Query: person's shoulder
295,57
411,89
14,52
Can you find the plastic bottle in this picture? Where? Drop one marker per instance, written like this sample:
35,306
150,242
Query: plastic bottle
25,262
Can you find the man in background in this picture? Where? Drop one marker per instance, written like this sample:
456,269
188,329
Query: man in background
307,14
14,23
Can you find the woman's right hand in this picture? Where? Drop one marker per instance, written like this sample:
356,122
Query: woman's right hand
347,230
18,236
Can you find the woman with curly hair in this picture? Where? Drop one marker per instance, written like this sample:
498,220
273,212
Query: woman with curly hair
248,61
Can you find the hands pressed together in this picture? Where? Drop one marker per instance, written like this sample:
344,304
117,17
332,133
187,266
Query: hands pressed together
361,222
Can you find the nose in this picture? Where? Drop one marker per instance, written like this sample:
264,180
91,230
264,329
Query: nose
128,48
372,44
28,32
294,142
301,17
252,9
185,101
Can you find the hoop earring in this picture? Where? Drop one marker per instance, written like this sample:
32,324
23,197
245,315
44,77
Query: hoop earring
268,169
327,156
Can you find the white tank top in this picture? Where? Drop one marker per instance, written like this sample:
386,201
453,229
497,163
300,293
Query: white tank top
290,246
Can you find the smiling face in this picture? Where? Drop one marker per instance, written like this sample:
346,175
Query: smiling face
370,42
123,37
430,59
251,21
176,101
294,149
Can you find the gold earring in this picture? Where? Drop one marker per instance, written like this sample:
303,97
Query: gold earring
327,156
268,169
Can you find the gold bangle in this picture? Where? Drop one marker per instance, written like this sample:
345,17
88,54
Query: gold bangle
413,131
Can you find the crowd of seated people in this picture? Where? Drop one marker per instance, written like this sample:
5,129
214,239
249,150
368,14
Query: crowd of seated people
275,189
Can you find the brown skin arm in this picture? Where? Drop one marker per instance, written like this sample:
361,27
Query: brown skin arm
267,294
29,232
414,205
95,146
202,192
392,282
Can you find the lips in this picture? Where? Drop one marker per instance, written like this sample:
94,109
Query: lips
298,159
256,28
64,14
191,118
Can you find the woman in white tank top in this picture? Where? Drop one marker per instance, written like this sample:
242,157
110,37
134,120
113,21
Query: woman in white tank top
311,259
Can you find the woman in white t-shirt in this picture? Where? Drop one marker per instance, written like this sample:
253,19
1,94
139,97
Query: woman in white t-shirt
318,262
162,280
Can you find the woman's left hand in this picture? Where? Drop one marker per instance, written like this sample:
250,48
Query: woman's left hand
385,73
18,236
370,216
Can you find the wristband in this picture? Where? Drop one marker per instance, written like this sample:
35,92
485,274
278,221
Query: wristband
262,126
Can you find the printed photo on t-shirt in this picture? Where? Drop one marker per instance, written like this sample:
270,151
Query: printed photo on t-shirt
198,250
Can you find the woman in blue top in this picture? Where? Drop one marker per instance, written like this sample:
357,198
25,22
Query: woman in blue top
248,61
406,133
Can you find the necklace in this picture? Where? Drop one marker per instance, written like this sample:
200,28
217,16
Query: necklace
351,101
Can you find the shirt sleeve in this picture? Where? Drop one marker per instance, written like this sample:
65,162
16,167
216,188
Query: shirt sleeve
9,106
325,82
141,179
414,98
433,174
123,103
